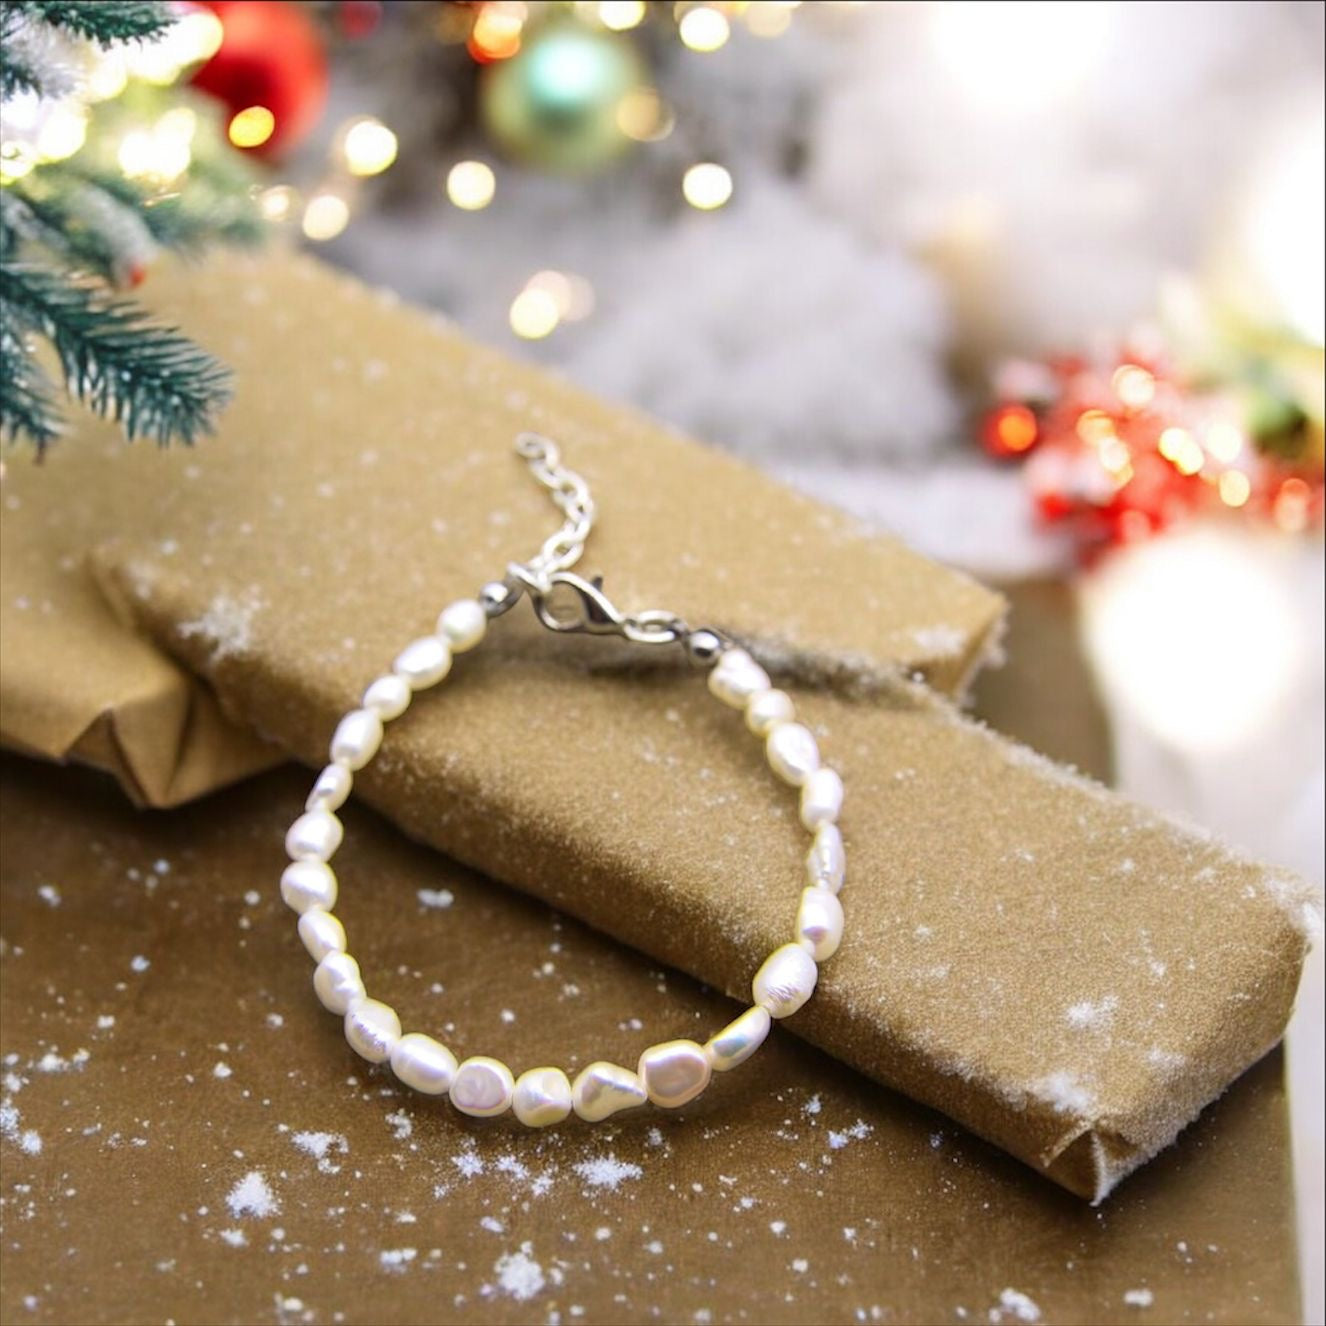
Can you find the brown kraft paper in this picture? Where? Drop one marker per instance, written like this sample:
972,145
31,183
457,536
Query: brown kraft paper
189,1138
1069,976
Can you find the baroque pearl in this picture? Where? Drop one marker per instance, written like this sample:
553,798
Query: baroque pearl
306,884
602,1089
821,798
372,1028
331,789
674,1072
542,1096
482,1087
356,739
322,933
423,662
462,624
786,980
765,709
826,862
423,1063
337,982
739,1039
388,697
314,836
736,677
820,923
793,754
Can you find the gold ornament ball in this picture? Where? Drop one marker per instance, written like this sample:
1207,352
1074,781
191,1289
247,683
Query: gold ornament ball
555,102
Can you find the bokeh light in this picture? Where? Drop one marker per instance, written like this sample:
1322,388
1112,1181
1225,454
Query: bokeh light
704,29
471,185
706,186
534,314
325,216
251,127
368,147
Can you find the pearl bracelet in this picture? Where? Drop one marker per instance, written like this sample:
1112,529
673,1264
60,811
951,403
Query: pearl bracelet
669,1074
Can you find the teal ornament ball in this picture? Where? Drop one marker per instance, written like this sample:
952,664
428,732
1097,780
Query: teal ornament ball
554,103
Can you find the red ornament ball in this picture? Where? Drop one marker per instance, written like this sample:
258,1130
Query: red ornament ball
271,55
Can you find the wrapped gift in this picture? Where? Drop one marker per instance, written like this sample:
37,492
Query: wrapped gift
187,1137
1066,974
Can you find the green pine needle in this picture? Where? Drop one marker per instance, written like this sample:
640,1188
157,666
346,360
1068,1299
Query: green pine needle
27,401
99,21
148,377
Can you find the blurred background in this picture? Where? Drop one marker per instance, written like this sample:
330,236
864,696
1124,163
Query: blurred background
1037,286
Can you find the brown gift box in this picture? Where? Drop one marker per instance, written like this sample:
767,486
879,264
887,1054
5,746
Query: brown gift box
1071,977
188,1138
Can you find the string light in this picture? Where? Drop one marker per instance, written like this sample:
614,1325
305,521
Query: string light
1134,386
621,15
278,202
1235,489
534,314
163,152
368,147
767,18
706,186
325,216
194,37
63,132
497,30
1225,443
644,116
471,185
704,29
572,294
251,127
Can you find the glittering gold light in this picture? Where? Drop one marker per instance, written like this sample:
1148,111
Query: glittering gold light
621,15
1234,488
368,146
251,127
325,216
1134,386
706,186
644,116
471,185
534,314
704,29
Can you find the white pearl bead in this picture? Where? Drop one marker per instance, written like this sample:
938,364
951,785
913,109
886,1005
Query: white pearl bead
786,980
826,862
793,754
736,677
424,662
331,789
322,933
602,1089
306,884
356,739
674,1072
462,625
372,1028
423,1063
820,923
739,1039
482,1087
337,982
764,709
821,798
314,836
542,1096
388,697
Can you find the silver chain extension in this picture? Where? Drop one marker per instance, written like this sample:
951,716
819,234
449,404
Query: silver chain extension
566,602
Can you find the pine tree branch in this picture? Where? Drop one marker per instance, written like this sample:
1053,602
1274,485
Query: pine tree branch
36,57
148,377
27,402
99,21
